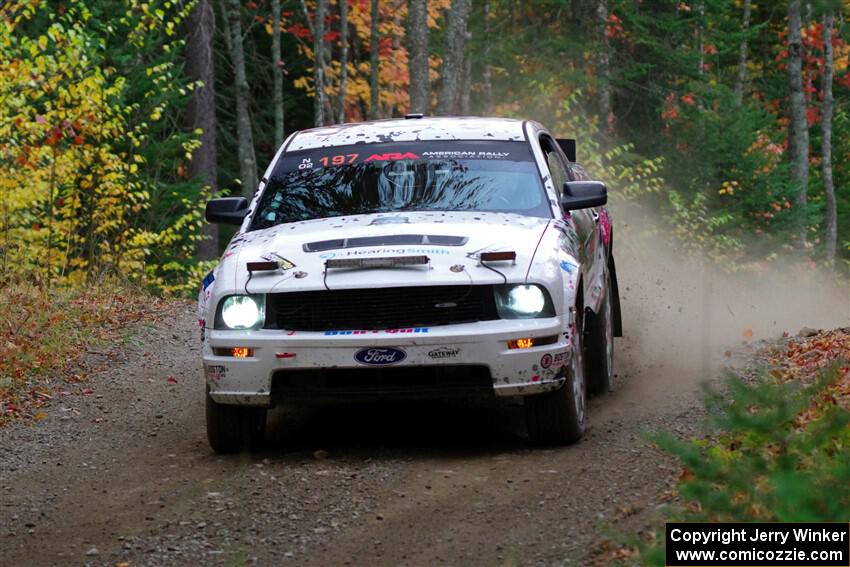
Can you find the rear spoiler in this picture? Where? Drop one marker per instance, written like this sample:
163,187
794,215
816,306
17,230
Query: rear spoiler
568,146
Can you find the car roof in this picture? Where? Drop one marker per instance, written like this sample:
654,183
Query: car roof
408,130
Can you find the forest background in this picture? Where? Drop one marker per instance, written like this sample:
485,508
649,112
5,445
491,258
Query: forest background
726,123
729,119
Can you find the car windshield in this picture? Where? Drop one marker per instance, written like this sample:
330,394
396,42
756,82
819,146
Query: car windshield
393,177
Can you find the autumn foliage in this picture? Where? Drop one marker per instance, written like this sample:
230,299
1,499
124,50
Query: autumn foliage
79,133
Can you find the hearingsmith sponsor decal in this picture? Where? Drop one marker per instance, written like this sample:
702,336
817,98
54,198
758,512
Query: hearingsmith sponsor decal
377,251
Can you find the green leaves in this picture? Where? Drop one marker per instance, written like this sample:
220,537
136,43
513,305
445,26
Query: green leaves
780,453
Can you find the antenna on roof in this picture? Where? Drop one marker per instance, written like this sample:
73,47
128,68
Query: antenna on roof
414,116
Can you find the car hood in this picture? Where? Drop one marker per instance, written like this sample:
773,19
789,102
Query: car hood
451,240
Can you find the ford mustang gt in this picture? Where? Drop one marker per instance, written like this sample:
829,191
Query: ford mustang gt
412,258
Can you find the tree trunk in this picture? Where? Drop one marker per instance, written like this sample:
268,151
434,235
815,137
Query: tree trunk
741,77
604,64
487,72
808,76
453,62
277,69
826,141
465,85
247,160
798,131
200,113
420,84
343,69
319,63
701,40
374,63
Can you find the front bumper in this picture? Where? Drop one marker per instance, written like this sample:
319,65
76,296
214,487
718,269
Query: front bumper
482,345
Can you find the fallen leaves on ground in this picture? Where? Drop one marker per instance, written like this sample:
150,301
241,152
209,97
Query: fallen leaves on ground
804,357
45,333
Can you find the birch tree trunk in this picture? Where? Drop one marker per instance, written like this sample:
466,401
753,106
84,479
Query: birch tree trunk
826,140
741,77
200,113
453,63
420,84
487,72
466,82
374,63
604,65
247,159
798,131
277,69
319,63
343,70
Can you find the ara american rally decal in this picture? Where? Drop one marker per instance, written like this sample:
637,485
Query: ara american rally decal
388,152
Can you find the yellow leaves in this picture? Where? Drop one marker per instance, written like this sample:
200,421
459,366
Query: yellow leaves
728,188
76,151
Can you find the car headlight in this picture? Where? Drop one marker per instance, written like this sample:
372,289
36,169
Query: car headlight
241,312
523,302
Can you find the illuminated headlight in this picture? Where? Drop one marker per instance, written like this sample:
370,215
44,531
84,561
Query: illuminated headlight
523,302
241,312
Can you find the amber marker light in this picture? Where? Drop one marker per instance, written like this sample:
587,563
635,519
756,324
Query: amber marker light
532,342
241,352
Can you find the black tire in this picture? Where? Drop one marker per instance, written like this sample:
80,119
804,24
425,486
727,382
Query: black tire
232,429
558,417
599,344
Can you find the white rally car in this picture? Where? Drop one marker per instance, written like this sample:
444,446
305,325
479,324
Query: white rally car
413,257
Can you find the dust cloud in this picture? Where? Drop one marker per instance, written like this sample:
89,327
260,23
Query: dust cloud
683,315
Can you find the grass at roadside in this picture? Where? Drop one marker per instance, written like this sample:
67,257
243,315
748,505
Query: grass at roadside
44,334
779,448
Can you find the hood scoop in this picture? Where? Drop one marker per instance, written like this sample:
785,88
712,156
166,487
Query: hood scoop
388,240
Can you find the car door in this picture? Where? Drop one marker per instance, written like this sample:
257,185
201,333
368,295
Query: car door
586,221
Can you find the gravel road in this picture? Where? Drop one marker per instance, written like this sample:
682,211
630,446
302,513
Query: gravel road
120,471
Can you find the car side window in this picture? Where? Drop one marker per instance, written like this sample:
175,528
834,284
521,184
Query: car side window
555,164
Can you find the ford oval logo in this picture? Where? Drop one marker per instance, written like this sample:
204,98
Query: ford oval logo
379,356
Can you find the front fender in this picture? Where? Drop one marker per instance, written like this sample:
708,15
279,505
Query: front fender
556,266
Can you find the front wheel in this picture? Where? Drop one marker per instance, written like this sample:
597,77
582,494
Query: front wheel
232,428
558,417
599,345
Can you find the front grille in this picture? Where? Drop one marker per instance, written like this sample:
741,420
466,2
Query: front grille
382,308
402,381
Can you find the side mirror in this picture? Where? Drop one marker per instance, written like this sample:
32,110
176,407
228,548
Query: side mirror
227,210
583,195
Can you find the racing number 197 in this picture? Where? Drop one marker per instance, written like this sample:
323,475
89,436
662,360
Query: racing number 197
341,159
